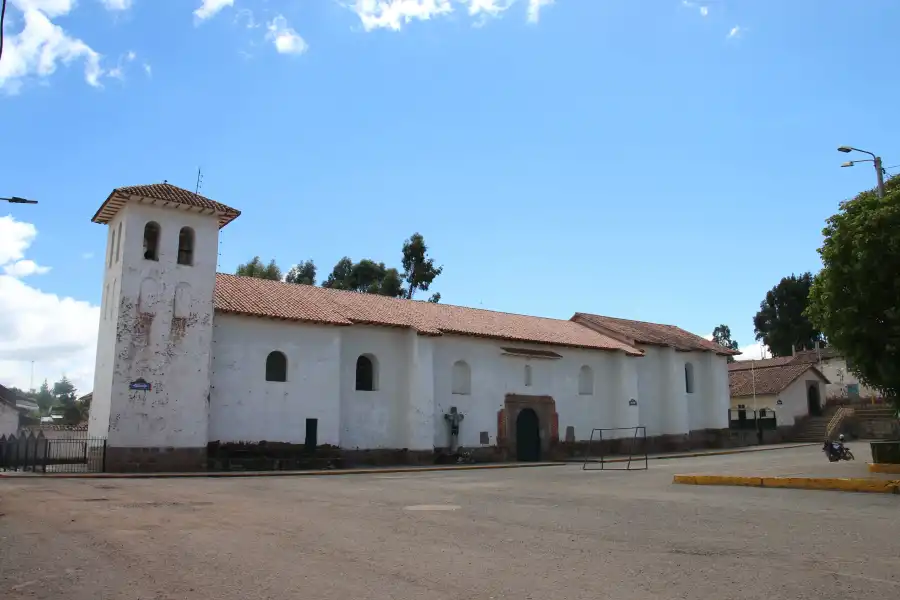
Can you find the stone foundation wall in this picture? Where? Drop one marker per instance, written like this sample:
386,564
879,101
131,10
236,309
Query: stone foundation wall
705,439
871,429
155,460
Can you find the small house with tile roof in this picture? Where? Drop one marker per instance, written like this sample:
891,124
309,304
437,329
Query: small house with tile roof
790,388
188,357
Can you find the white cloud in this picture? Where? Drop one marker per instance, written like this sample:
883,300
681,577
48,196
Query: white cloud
286,40
118,71
209,8
735,32
117,4
394,14
246,15
58,334
702,8
534,9
87,255
754,351
41,46
148,69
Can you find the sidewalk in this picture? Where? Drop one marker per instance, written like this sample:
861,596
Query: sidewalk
812,474
383,470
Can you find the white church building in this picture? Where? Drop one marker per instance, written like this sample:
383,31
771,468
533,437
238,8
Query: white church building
187,357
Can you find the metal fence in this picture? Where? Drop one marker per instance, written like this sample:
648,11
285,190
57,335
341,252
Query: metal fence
753,420
30,452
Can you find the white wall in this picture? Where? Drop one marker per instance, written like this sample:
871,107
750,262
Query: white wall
244,407
494,375
376,419
174,413
665,405
9,419
794,403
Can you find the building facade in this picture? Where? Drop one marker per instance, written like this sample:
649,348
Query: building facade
187,357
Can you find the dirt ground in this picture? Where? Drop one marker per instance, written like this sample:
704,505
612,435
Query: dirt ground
546,533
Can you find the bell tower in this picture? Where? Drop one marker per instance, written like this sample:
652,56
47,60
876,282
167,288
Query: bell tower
151,379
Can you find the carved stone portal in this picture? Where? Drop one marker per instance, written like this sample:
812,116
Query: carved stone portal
548,421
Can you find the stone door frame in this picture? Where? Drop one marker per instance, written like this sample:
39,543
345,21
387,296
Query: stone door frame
548,422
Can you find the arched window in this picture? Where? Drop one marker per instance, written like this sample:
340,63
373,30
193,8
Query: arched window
689,378
366,373
112,244
186,246
585,381
462,378
527,375
276,366
151,241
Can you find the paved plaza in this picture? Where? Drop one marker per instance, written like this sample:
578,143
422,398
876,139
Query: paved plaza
542,533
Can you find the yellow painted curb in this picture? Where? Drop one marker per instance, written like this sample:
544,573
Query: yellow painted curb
884,468
837,484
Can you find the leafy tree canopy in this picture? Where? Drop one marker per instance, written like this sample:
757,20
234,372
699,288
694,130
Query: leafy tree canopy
367,275
256,268
781,322
419,271
302,273
855,298
722,336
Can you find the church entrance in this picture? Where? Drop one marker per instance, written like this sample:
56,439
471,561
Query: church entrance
814,404
528,436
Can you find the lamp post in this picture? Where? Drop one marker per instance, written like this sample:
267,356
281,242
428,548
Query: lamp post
17,200
875,159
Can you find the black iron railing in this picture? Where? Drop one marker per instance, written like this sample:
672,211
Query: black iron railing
72,454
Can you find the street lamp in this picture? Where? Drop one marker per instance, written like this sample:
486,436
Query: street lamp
17,200
875,159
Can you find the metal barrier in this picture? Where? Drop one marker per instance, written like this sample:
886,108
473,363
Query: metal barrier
635,446
30,452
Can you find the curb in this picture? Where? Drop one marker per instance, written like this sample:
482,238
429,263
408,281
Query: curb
226,474
890,469
701,454
837,484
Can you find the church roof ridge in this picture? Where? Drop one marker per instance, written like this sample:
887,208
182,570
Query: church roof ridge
305,303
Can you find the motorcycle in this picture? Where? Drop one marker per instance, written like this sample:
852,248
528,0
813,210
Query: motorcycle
837,451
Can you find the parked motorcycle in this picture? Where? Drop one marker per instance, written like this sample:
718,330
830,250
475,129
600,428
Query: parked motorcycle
837,451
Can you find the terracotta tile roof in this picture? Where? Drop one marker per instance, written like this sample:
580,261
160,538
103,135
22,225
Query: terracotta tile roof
743,365
772,379
278,300
641,332
813,356
166,193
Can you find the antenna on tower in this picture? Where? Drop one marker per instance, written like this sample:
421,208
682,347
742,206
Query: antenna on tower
199,180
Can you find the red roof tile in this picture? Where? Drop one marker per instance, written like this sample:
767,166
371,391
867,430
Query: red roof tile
772,379
279,300
743,365
641,332
166,193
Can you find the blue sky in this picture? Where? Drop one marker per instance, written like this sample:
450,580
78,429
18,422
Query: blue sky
651,159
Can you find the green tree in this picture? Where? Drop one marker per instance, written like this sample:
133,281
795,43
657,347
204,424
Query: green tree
256,268
64,392
781,322
366,276
419,271
45,398
302,273
855,298
722,336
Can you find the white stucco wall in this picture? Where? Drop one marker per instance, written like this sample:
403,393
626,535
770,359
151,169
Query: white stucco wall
9,419
793,398
244,407
835,369
174,360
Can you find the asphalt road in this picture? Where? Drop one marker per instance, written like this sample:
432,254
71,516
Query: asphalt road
547,533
